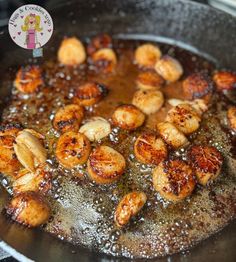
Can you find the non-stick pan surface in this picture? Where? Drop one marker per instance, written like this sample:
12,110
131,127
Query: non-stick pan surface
193,26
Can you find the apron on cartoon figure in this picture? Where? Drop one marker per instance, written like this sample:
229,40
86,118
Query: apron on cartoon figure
31,27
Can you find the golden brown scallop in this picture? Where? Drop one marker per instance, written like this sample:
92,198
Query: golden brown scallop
185,118
105,60
150,149
128,207
68,118
89,93
72,149
28,208
197,85
128,117
231,114
225,80
207,162
171,135
147,55
149,80
28,79
105,165
148,101
174,180
169,68
71,52
9,163
99,42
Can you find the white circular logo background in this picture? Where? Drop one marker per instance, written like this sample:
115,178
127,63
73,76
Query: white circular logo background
30,26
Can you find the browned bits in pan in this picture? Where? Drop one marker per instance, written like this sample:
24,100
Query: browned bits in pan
39,181
185,118
71,52
169,68
105,165
148,101
68,118
128,117
128,207
72,149
207,162
150,149
225,80
9,163
149,80
99,42
231,114
105,60
89,94
28,79
147,55
28,208
171,135
174,179
197,85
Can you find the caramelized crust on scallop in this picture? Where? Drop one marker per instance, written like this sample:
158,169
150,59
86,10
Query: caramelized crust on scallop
207,162
150,149
99,42
231,114
225,80
105,165
28,79
89,94
72,149
197,85
68,118
174,179
28,208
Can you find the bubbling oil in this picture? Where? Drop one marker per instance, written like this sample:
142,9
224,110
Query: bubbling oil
82,210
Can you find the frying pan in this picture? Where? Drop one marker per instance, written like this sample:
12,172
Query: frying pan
192,26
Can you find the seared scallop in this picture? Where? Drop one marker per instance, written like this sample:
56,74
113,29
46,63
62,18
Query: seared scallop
207,162
225,80
99,42
128,117
28,79
171,135
147,55
149,101
105,165
198,104
71,52
149,80
105,60
128,207
28,208
96,128
89,93
9,163
169,68
185,118
150,149
72,149
174,180
39,181
231,114
68,118
197,85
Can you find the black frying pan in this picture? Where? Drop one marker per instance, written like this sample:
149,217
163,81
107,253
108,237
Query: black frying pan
193,26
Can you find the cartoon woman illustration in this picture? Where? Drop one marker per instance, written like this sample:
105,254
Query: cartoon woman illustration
31,27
